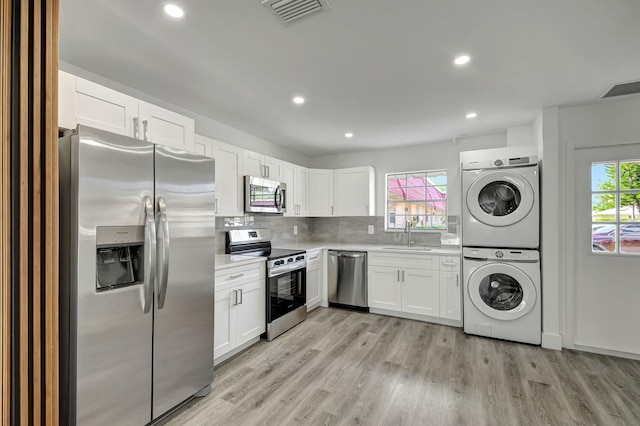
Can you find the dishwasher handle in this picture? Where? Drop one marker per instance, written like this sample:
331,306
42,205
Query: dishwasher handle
353,255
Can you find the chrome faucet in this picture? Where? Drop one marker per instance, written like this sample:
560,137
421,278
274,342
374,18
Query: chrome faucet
407,230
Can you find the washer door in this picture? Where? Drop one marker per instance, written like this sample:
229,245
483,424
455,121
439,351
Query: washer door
500,198
502,291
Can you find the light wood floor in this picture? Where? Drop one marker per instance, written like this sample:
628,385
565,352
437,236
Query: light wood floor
343,367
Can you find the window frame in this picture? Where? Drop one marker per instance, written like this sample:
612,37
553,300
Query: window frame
445,173
617,193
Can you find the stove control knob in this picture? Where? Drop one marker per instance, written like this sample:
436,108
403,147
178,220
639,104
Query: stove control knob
300,258
290,260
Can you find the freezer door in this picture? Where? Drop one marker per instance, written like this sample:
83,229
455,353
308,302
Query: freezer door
111,335
183,328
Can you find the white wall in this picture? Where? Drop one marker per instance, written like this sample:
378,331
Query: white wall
204,125
610,123
439,155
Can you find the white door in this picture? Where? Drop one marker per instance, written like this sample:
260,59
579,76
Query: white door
229,183
420,292
606,237
385,288
251,315
165,127
288,177
224,335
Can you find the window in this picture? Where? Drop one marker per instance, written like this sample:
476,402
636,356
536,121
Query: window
416,197
615,207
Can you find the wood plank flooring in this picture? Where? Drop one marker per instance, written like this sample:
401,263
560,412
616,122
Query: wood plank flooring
350,368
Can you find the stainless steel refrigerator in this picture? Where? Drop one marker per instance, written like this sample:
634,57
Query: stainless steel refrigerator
137,256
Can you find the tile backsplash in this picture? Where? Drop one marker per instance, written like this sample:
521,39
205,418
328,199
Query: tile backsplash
350,230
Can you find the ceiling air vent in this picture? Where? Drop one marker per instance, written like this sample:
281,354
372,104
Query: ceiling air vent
292,10
622,89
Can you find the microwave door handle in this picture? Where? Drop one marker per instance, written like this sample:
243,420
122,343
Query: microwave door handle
163,251
278,198
149,255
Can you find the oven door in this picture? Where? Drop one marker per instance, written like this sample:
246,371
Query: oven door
287,292
264,196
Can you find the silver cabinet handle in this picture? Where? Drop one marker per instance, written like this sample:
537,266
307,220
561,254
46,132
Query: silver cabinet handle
145,126
149,255
366,209
163,252
136,127
233,277
264,171
240,303
235,297
457,280
268,174
449,263
398,275
403,275
331,210
216,207
315,257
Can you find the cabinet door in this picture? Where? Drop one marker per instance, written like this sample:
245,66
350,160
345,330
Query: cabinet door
203,145
321,192
353,191
251,311
274,168
100,107
253,164
288,177
385,288
420,292
224,326
314,279
166,127
229,183
301,190
450,288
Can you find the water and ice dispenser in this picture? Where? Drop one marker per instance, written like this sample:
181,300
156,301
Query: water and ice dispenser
119,256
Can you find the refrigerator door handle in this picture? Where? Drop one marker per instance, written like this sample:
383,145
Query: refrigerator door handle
150,255
163,252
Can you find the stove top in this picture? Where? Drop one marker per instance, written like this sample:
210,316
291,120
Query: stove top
278,253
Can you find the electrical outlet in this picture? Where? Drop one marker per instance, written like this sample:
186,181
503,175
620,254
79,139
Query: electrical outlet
370,229
295,229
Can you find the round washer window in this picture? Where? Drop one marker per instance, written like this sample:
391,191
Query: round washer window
501,292
499,198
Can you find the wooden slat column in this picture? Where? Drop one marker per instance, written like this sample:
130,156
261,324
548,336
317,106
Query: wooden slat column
29,220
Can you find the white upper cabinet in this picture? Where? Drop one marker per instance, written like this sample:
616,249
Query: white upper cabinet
229,180
166,127
263,166
297,180
355,191
203,145
81,101
321,202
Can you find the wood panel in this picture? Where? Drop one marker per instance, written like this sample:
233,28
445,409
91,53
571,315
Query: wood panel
5,204
29,222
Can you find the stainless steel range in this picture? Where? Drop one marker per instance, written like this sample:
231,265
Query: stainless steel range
286,278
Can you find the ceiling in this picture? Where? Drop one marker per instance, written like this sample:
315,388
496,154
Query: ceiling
380,69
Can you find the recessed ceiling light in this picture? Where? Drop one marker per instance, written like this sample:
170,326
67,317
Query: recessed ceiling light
472,115
298,100
173,10
462,60
348,135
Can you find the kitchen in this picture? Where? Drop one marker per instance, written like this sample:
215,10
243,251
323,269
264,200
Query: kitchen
559,123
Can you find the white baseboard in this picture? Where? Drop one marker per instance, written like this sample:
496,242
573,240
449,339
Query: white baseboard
552,341
425,318
609,352
235,351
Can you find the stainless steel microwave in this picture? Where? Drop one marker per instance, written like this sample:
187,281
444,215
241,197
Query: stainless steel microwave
264,195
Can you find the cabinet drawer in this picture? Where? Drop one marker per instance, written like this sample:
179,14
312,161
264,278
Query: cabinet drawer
401,260
239,275
449,263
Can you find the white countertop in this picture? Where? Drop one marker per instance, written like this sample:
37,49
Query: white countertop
224,261
444,250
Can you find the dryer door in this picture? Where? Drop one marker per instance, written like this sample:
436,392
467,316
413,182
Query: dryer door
500,198
502,291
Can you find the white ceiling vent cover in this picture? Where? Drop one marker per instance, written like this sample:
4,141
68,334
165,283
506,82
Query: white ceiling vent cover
291,10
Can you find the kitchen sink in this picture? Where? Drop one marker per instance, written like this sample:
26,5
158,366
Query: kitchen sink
408,248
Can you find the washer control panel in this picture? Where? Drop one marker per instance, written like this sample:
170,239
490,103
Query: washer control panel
501,254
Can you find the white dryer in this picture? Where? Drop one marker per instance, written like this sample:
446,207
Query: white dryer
502,297
500,201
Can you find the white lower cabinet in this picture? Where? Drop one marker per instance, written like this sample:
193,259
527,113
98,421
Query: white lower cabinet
315,278
416,284
239,307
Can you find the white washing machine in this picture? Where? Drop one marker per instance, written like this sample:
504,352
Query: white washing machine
500,200
502,294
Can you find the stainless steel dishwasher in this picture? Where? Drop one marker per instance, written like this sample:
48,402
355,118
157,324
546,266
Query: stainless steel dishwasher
347,279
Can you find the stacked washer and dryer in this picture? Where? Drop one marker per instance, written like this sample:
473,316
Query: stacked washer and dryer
500,239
